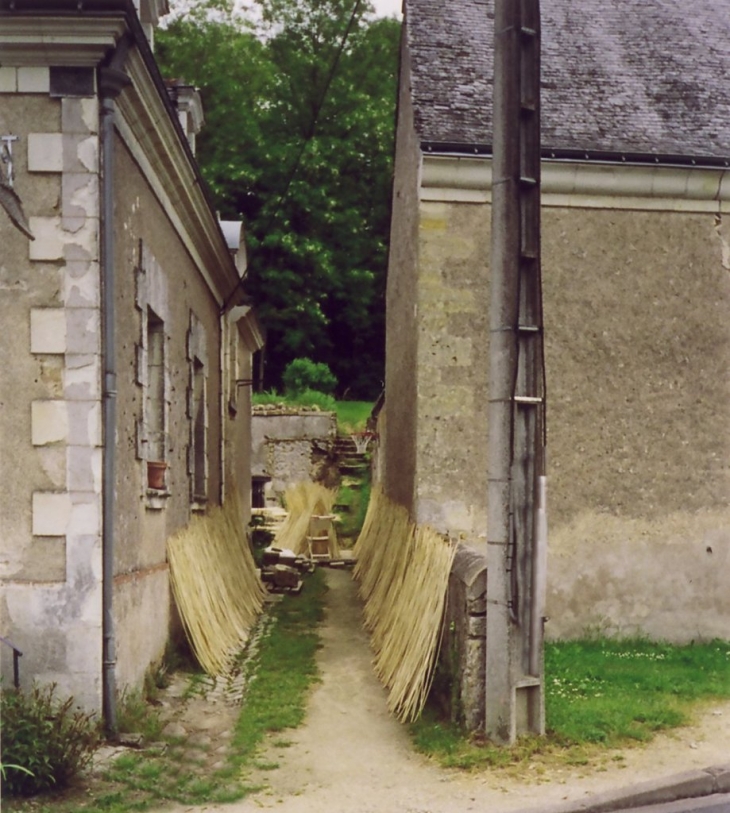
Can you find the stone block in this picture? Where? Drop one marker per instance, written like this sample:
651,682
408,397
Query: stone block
83,469
47,330
44,560
45,152
80,153
49,239
84,418
34,80
83,331
84,560
79,195
82,377
81,284
477,626
80,115
49,422
85,519
51,513
8,80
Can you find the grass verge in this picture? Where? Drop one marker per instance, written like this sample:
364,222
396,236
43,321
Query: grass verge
599,694
179,769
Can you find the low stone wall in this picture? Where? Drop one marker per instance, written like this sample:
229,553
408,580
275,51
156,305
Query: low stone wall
460,674
291,446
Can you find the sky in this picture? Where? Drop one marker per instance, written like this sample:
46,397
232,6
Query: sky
387,8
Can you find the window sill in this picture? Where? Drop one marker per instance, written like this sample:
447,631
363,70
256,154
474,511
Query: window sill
156,499
198,506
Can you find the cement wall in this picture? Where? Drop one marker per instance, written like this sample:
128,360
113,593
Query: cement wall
289,445
154,270
637,350
397,426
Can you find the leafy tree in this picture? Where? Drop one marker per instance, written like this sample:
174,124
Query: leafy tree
299,142
305,374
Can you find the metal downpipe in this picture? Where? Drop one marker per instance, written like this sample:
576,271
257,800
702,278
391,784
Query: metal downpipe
111,80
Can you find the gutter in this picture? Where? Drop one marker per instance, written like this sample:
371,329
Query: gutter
111,81
593,156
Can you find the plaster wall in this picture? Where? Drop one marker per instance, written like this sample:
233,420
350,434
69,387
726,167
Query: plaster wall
238,434
154,270
637,348
453,365
399,429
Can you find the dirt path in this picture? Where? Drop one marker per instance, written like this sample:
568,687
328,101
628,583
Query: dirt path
351,755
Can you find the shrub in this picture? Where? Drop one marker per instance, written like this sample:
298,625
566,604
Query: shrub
45,741
305,374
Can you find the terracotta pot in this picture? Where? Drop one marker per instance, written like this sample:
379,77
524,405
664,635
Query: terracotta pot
156,474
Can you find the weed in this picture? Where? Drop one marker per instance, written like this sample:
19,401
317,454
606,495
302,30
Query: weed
46,740
136,716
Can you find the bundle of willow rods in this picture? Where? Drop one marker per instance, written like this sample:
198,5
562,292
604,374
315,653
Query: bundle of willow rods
216,585
403,572
303,501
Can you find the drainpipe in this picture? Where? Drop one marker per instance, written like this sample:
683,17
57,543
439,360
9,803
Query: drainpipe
111,81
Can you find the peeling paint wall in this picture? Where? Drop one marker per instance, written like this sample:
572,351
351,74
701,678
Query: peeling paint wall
50,429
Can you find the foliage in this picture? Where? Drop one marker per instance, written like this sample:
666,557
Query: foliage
299,143
46,741
136,716
304,374
599,693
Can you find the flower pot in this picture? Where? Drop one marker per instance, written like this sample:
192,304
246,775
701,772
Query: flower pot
156,474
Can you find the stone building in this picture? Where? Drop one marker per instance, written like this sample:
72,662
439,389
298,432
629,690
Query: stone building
636,276
127,343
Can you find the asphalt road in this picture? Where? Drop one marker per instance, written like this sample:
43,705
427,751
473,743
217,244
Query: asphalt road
719,803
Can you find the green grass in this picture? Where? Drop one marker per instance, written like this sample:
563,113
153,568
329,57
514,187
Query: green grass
611,691
353,415
308,398
282,673
599,694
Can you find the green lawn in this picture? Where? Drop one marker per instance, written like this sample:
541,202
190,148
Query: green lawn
599,694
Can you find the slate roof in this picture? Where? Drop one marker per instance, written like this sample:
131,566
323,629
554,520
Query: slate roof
618,76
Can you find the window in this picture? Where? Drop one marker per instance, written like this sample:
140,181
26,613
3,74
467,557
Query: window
155,395
199,433
198,466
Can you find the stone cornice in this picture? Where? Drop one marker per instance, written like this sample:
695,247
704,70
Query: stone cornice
576,184
29,41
